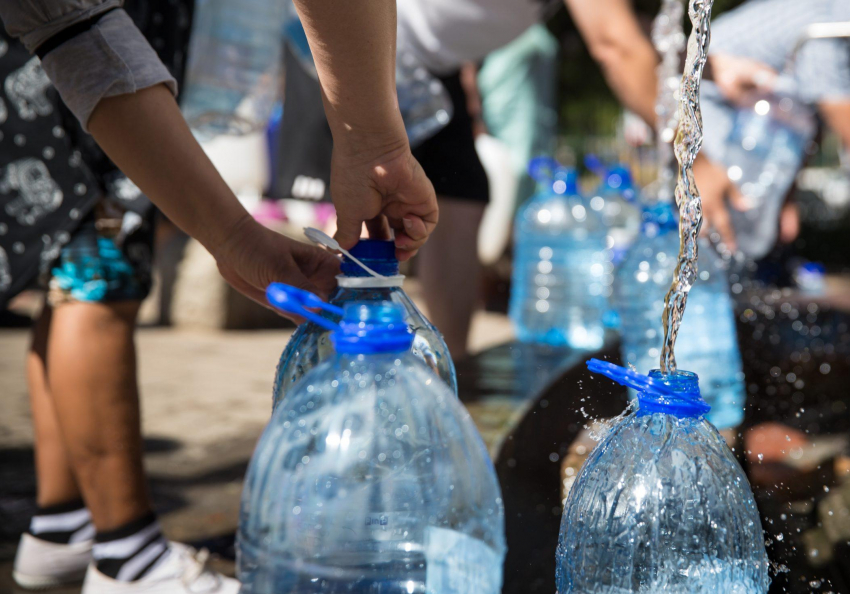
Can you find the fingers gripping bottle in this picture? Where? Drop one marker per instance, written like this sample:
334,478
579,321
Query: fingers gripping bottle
311,343
661,504
370,477
562,270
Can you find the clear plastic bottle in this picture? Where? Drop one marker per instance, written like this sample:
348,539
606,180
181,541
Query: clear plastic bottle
310,345
615,200
233,70
661,504
708,338
562,272
424,102
763,154
371,477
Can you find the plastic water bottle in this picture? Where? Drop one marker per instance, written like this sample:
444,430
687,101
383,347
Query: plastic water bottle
708,339
562,272
615,200
661,504
762,155
311,344
370,478
233,70
424,102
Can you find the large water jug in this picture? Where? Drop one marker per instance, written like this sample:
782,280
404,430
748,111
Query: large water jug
661,504
615,200
562,272
371,477
311,344
762,155
233,69
708,339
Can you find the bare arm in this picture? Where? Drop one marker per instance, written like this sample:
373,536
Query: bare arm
373,172
616,41
145,134
837,117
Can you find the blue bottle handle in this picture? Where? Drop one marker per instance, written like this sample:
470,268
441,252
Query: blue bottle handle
653,394
629,378
299,302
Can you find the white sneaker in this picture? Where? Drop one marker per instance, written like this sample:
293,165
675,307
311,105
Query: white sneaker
41,564
181,571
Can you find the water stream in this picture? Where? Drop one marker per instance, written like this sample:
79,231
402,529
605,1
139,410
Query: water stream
688,143
668,37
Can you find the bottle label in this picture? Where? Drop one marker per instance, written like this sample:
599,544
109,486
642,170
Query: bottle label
460,564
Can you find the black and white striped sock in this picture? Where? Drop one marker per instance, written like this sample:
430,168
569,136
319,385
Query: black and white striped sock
66,523
128,553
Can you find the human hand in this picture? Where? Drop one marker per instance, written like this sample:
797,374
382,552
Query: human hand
736,77
385,188
253,257
718,194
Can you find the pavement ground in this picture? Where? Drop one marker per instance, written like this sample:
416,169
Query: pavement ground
206,397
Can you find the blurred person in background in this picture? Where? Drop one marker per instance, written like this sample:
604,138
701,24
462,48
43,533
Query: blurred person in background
750,48
64,221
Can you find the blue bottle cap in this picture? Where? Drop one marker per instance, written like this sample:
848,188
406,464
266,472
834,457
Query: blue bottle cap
673,394
377,254
658,217
369,328
366,327
619,178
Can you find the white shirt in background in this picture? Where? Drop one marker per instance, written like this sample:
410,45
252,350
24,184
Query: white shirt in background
444,34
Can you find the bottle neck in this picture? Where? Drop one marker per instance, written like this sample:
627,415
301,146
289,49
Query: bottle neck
370,282
687,402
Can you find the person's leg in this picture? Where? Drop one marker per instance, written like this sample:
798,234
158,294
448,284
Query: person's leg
449,270
91,368
56,484
56,549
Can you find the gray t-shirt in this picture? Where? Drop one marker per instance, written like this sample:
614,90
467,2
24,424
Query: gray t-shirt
110,58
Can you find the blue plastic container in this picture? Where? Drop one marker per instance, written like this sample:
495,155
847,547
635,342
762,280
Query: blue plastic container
371,477
708,339
562,272
661,504
311,343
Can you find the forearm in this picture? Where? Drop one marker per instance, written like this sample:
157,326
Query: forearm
354,45
836,114
145,134
616,41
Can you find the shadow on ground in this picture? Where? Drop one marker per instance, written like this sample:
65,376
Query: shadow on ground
195,507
